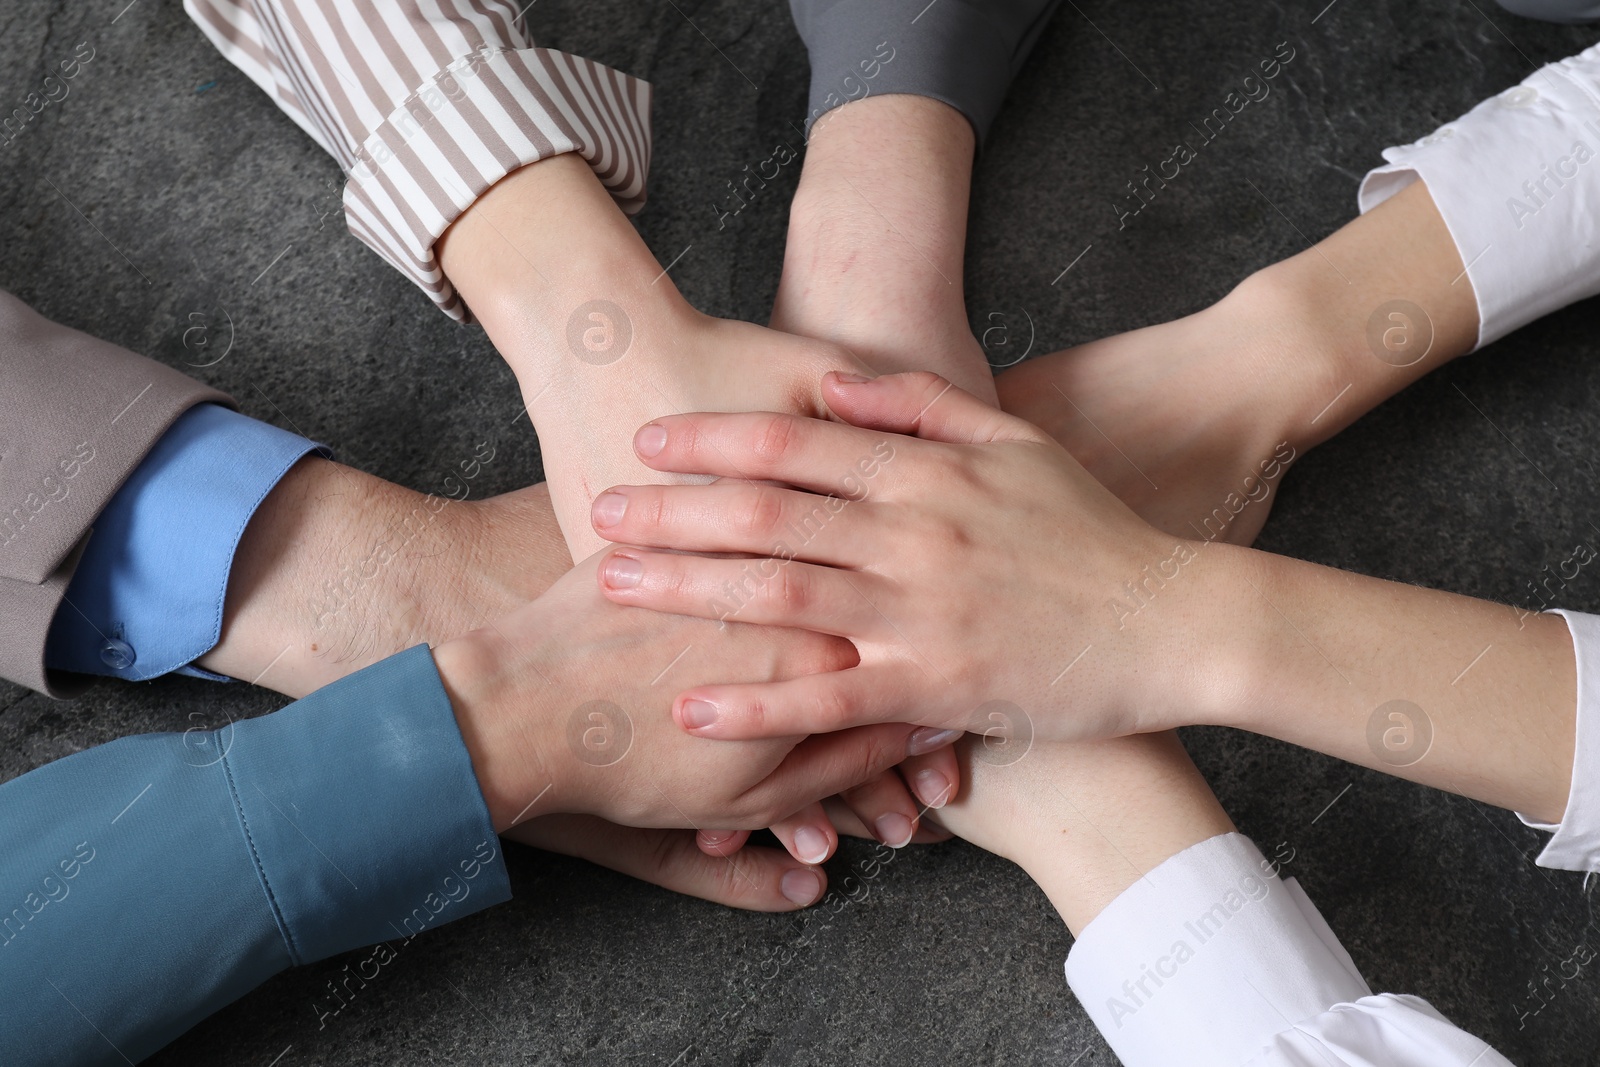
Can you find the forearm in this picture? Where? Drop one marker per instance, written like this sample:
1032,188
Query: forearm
877,238
1086,821
338,569
1388,295
1462,694
1354,319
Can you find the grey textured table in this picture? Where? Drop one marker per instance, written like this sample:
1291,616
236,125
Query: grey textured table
166,186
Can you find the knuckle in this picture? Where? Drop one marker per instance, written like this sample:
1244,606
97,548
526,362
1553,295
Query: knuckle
791,592
760,513
873,754
925,386
728,883
654,511
775,438
677,578
665,857
757,711
834,706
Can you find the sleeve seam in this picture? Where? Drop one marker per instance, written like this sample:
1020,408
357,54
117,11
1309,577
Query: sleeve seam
255,859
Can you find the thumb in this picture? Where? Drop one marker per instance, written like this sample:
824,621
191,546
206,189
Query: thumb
921,404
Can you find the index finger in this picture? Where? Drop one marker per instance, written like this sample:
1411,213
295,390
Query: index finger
824,457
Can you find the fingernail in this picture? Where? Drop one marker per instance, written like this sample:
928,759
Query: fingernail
811,845
931,787
927,739
850,379
801,886
716,837
623,572
697,714
650,441
608,509
894,829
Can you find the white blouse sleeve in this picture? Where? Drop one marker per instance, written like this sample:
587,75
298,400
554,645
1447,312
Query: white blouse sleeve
1576,844
1212,960
1517,180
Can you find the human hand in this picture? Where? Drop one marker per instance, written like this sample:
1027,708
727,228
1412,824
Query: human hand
339,569
761,879
598,336
912,543
678,361
559,707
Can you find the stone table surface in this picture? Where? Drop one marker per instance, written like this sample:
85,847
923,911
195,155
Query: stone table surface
167,186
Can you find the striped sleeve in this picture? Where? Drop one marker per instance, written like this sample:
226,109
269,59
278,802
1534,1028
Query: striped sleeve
425,104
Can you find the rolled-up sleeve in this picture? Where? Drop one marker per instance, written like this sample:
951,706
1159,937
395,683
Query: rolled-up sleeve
425,107
1212,960
1517,181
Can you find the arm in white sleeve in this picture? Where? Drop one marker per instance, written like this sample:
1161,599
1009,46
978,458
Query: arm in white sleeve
1517,181
1576,844
1212,960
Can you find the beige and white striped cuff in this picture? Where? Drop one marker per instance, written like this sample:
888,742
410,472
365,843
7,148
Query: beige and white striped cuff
478,120
426,107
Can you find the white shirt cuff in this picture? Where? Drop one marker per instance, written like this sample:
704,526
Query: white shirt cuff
1207,959
1576,844
1386,1030
1517,180
1211,960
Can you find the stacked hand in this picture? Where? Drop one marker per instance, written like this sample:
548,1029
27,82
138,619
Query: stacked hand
562,710
978,569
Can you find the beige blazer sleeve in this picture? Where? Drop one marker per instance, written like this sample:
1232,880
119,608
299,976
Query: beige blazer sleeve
77,415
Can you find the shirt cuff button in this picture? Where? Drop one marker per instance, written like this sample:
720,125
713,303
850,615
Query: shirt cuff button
117,654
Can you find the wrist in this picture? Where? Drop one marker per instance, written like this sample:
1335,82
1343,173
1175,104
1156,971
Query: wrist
881,210
1307,372
543,253
1355,319
338,569
877,239
1225,652
509,750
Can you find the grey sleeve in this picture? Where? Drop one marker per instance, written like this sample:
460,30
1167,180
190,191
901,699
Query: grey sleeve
962,52
1555,10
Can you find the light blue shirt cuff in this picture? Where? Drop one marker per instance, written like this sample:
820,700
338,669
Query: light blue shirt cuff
147,598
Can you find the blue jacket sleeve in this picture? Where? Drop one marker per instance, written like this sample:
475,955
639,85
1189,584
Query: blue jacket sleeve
148,595
148,882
